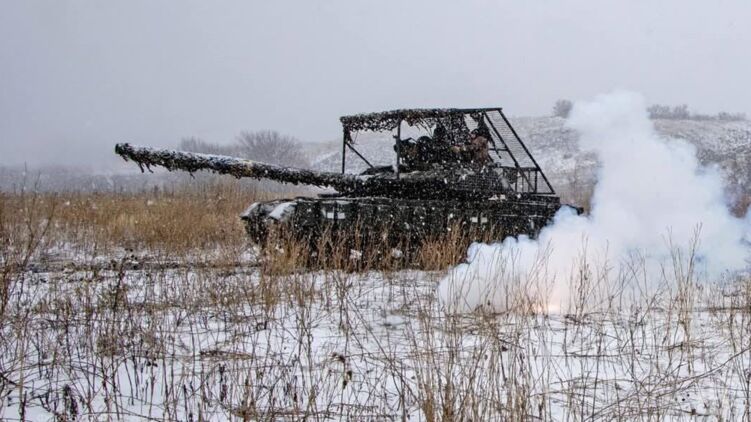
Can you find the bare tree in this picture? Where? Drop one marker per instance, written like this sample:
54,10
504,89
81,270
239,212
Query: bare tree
272,147
268,146
681,112
562,108
659,111
725,116
194,144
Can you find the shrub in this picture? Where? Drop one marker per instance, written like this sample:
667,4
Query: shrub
562,108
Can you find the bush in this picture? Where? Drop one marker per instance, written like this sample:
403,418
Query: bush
267,146
659,111
271,147
725,116
194,144
562,108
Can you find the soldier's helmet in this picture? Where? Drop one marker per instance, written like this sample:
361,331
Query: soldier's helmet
439,133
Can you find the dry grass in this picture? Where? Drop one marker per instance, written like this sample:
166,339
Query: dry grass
364,251
189,219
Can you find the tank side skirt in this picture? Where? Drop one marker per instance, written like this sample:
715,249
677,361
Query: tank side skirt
408,219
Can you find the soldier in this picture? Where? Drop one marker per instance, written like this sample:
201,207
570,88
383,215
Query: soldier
441,149
409,151
476,150
480,147
439,134
425,152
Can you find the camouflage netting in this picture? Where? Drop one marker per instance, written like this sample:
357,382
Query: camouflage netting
389,120
507,148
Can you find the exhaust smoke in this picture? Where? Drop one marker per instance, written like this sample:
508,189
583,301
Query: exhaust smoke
652,200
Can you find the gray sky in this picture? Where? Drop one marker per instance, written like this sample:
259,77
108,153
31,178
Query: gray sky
78,76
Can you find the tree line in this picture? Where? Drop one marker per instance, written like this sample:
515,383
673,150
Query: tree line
267,146
562,108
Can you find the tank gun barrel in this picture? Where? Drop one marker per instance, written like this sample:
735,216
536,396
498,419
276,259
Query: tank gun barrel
415,185
238,167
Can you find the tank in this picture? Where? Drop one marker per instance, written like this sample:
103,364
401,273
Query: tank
460,170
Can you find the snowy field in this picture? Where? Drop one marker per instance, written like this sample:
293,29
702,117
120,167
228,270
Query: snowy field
235,343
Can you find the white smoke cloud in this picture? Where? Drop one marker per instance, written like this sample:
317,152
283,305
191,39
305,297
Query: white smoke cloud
651,195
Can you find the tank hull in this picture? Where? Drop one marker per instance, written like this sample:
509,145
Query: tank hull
391,222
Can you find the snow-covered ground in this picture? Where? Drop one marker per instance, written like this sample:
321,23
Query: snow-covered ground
217,344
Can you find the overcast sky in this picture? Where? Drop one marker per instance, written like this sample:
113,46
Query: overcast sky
78,76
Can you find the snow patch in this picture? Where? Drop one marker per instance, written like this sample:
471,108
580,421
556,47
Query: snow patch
249,210
282,211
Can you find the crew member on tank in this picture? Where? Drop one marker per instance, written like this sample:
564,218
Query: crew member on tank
440,149
409,152
476,151
425,152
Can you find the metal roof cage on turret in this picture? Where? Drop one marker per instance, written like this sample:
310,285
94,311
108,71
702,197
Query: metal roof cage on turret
509,153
